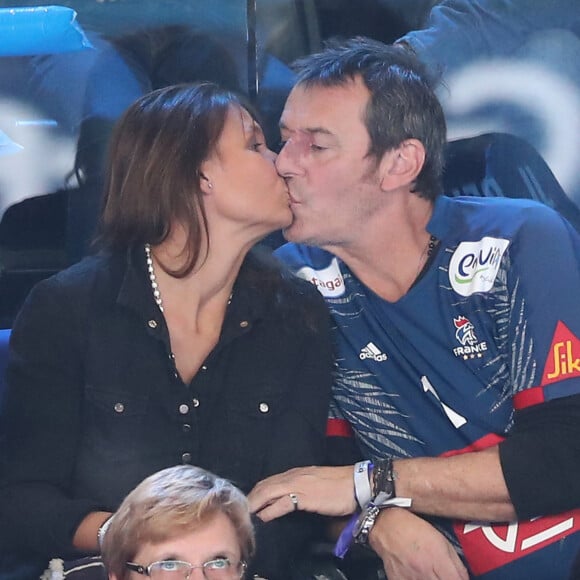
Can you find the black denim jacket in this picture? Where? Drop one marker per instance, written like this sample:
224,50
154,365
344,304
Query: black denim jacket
94,403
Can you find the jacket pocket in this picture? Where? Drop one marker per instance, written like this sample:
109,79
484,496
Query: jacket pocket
115,422
247,434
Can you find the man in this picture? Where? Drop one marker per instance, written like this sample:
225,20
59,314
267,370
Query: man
456,329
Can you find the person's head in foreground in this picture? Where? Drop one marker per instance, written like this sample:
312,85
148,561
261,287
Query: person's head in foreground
182,522
362,121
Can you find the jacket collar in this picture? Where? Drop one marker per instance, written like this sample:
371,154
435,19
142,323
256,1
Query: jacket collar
248,305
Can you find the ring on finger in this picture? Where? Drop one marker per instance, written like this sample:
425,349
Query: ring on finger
294,498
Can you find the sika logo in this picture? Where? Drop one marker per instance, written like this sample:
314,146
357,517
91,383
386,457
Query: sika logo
474,265
465,335
564,356
329,280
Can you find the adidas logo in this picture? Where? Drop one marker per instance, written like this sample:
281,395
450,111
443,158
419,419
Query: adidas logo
372,351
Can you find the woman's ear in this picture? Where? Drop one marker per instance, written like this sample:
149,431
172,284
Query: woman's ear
401,166
205,183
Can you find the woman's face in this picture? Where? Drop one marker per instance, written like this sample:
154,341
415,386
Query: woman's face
246,188
214,541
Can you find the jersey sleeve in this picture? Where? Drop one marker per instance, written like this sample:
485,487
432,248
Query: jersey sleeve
544,287
541,455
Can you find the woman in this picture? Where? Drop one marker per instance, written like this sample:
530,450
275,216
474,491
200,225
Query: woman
176,520
173,345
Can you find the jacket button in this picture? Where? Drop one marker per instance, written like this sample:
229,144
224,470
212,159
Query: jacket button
184,409
195,402
244,324
186,458
186,428
264,407
152,324
119,407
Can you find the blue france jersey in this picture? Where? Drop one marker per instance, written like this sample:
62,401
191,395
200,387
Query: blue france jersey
492,326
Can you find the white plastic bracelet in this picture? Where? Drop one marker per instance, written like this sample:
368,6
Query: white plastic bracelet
362,484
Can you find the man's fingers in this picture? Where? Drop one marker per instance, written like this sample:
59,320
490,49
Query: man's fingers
462,572
451,569
278,508
324,490
263,495
274,488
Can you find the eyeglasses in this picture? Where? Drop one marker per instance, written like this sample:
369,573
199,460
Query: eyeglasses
218,569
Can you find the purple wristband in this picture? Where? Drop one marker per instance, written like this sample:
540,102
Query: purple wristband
346,538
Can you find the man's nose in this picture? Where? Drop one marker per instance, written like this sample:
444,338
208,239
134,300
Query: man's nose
286,162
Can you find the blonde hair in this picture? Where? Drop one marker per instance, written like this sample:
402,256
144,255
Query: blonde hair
169,503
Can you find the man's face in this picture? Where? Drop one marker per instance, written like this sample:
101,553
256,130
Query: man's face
333,185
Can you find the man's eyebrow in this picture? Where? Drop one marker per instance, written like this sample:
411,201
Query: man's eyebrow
310,130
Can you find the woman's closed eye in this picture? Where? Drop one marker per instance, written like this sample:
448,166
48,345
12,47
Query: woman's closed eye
257,145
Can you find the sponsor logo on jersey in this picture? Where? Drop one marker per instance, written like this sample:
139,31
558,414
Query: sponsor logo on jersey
563,360
465,335
491,546
488,547
373,352
329,280
474,265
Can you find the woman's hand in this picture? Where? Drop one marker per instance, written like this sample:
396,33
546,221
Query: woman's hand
412,549
323,490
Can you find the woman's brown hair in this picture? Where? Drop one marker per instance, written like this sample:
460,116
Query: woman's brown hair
153,177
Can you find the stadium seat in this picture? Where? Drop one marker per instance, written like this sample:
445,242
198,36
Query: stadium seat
503,165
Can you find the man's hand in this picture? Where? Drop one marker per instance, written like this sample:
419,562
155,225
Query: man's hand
324,490
412,549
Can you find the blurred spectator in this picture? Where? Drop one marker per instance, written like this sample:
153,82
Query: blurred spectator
510,66
124,69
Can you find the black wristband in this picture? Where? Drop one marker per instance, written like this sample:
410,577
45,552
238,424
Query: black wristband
383,478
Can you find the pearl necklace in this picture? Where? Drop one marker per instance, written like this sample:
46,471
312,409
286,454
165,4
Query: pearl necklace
153,278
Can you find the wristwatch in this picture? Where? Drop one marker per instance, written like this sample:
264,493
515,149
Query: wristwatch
384,490
368,516
365,523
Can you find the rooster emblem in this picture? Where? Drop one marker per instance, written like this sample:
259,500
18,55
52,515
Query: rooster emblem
465,332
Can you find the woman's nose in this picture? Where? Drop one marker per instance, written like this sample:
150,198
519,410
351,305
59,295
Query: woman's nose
270,155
